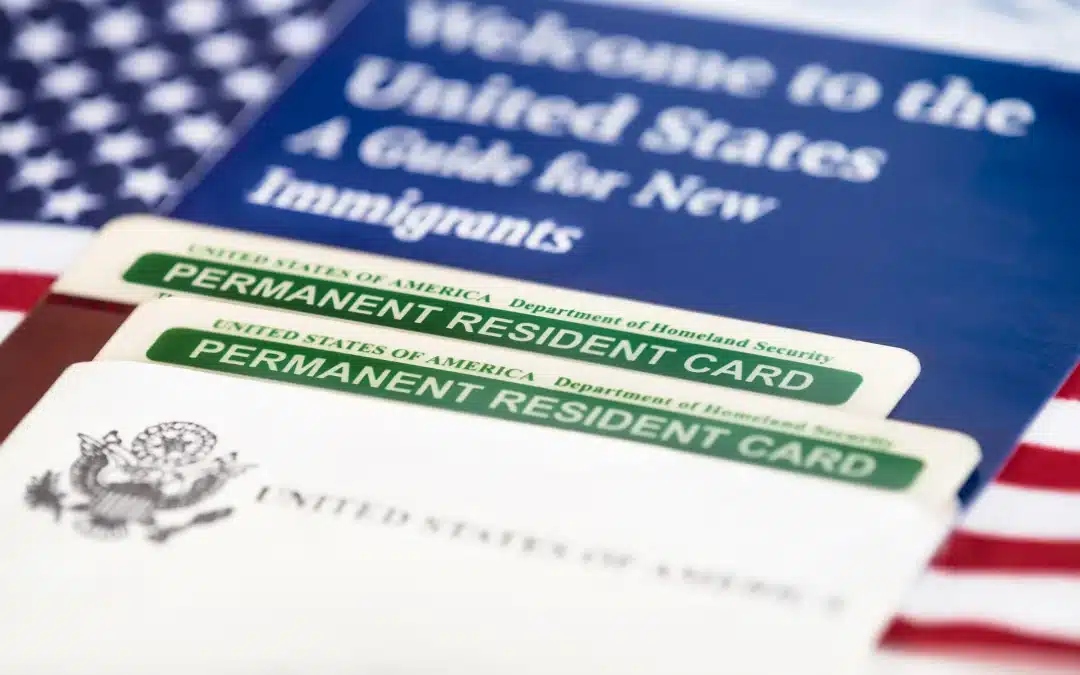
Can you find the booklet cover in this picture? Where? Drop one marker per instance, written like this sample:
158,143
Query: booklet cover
871,192
150,499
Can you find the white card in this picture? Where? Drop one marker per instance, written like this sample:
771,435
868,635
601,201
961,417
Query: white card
137,258
306,531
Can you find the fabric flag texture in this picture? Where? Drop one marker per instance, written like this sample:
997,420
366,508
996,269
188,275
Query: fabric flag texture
105,104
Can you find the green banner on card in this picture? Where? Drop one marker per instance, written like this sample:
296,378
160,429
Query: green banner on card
502,327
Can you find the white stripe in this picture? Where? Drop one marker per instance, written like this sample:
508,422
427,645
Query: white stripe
1042,606
1045,35
1056,426
40,248
8,321
1012,511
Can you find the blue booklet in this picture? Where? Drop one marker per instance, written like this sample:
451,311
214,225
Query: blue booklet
905,198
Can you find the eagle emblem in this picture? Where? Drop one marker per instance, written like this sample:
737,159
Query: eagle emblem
168,467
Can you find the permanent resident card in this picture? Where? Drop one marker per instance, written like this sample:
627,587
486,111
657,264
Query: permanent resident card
139,258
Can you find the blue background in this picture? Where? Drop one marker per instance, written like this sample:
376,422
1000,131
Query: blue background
964,251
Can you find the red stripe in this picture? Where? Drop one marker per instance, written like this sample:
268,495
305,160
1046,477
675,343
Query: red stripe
1071,388
20,291
974,636
1036,466
976,552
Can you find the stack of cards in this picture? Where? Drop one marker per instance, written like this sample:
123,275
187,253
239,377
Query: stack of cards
356,445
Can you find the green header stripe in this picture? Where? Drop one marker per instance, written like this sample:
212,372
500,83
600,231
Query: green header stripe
534,405
484,324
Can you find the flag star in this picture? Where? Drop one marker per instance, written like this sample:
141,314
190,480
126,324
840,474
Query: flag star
267,7
41,42
300,35
70,204
10,99
69,81
195,16
119,28
198,132
150,185
95,114
173,97
144,65
250,85
43,172
121,148
223,51
19,137
19,6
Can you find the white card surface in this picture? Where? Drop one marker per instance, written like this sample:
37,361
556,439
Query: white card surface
356,535
137,258
926,464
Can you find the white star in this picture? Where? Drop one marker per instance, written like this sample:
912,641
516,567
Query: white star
150,185
122,148
19,137
69,81
270,6
195,16
173,97
19,6
301,35
41,42
249,85
223,51
95,114
198,132
70,204
43,172
144,65
9,99
119,28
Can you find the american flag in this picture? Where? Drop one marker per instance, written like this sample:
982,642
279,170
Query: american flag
1008,579
106,104
31,256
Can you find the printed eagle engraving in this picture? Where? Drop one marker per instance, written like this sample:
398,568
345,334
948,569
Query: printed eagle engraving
168,467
